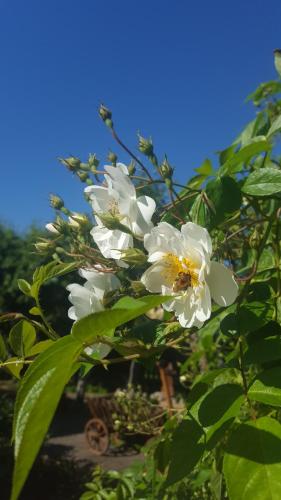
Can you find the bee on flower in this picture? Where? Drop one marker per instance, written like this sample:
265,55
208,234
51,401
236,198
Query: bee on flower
182,267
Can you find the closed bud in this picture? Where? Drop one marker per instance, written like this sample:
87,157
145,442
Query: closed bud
132,168
165,169
112,157
56,202
77,219
113,222
52,228
106,115
93,161
43,246
133,256
85,167
183,379
83,176
71,163
145,146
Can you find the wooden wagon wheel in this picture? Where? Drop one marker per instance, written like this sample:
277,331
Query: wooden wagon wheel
97,435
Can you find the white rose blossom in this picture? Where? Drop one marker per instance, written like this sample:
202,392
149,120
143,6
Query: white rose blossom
119,198
88,298
182,267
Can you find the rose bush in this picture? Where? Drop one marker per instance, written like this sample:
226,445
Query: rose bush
217,237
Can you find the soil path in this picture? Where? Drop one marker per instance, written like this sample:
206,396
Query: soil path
75,447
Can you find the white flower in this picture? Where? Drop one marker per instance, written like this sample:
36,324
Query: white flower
88,298
119,199
182,267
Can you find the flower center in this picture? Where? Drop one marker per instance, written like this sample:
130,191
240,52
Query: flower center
113,208
180,273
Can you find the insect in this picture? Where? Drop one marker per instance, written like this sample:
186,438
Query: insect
182,282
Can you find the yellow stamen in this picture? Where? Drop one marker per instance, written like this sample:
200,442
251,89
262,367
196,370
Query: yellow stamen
177,269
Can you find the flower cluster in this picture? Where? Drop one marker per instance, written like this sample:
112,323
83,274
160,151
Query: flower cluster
181,264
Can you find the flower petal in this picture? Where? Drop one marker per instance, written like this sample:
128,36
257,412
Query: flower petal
84,301
163,238
110,242
223,286
199,234
154,278
100,197
100,282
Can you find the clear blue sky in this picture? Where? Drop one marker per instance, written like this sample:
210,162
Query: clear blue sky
176,70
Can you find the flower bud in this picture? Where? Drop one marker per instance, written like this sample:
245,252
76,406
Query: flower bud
133,256
43,246
52,228
165,169
145,146
85,167
72,163
77,219
112,157
56,202
183,379
113,222
93,161
83,176
106,115
132,168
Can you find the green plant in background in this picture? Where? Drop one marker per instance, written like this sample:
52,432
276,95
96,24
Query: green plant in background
220,229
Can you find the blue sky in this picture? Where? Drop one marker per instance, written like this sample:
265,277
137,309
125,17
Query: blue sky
176,70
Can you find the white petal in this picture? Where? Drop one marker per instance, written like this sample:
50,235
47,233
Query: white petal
164,238
154,278
199,234
121,183
223,286
100,282
100,197
84,301
110,242
203,299
143,213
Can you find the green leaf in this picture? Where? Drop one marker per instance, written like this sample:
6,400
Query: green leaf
24,286
275,127
235,164
263,182
14,366
277,61
225,196
266,387
49,271
22,337
268,349
37,399
206,168
254,315
186,450
252,462
40,347
216,410
3,349
98,324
